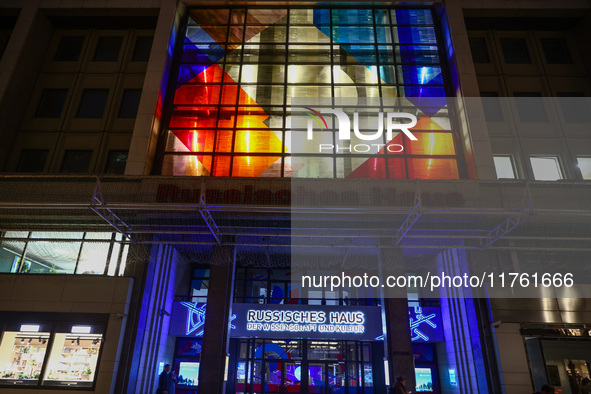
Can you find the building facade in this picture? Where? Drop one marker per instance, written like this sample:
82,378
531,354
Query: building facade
178,183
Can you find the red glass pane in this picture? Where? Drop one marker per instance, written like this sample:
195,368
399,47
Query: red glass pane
396,169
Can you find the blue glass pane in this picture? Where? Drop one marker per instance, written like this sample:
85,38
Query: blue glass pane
190,71
424,91
429,99
202,53
197,34
387,74
386,54
351,17
415,35
421,75
412,17
362,53
384,35
382,17
321,17
419,54
353,34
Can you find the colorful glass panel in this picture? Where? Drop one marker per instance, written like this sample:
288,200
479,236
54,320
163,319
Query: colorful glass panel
241,67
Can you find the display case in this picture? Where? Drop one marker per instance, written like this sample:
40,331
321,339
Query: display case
58,354
22,356
73,360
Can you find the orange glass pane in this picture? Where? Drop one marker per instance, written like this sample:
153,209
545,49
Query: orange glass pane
227,117
206,16
432,169
257,141
224,141
221,166
251,121
237,16
252,166
431,144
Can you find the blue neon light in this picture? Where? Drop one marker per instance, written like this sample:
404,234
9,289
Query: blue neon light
418,319
196,318
425,325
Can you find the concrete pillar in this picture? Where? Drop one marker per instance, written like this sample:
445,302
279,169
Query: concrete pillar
19,67
150,110
471,124
217,321
398,346
463,340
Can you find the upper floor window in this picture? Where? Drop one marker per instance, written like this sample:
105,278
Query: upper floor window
479,50
556,51
107,49
69,49
546,168
274,286
200,284
43,252
515,50
92,104
584,164
142,48
51,103
32,160
504,167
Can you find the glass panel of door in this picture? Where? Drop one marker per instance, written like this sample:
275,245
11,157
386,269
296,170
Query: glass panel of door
305,366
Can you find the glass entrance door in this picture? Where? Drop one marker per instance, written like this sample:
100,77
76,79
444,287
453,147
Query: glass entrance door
303,366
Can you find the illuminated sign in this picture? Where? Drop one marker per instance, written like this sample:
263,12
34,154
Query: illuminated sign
380,195
311,321
306,321
425,324
188,318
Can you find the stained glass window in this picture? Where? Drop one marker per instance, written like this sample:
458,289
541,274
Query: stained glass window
240,68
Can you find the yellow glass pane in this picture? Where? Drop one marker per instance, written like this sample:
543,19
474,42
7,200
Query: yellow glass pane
430,144
257,141
308,74
432,169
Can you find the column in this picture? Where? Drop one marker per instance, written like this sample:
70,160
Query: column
398,346
217,321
